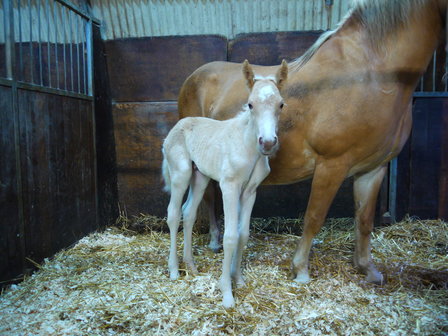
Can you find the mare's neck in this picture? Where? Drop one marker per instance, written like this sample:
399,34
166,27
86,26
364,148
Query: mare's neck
405,49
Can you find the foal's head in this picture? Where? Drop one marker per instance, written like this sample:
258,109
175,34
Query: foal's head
265,104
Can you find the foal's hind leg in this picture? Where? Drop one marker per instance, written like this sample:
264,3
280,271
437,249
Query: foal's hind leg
180,177
328,177
366,189
197,187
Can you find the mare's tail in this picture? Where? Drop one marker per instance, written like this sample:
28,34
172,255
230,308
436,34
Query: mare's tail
166,174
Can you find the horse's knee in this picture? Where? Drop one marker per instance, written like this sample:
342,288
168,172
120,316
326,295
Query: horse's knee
230,240
364,225
313,223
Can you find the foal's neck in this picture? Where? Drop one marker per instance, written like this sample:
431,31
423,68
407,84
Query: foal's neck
249,132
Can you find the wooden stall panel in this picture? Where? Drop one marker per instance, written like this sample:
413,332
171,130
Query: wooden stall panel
58,177
105,141
10,234
3,63
153,69
140,129
422,165
443,180
270,48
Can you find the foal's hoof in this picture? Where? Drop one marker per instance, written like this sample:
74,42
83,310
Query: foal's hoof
228,301
174,275
239,282
192,268
302,278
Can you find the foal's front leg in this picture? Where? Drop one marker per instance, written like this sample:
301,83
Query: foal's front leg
230,195
248,197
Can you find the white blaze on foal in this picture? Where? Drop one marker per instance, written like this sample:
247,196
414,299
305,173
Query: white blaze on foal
233,152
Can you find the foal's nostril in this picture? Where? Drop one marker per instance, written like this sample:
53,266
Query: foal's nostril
275,140
260,140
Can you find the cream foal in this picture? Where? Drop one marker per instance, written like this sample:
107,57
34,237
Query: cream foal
233,152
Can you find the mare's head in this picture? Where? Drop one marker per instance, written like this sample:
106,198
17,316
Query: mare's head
265,104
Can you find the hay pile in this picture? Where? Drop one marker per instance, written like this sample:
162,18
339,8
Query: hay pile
116,283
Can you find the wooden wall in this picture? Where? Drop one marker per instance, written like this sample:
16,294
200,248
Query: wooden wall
49,192
146,75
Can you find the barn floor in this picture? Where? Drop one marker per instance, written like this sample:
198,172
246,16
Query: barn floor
115,283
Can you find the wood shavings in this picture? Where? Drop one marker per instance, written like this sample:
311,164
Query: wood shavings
116,283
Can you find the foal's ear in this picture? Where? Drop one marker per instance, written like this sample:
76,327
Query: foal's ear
282,74
248,74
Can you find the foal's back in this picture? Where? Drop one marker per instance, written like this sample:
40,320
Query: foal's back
212,145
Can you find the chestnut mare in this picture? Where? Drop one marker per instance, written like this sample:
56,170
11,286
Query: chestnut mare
347,109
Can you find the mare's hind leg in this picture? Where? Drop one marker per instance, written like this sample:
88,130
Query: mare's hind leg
210,197
180,178
197,187
366,189
328,177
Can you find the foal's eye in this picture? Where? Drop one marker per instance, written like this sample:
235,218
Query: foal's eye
250,106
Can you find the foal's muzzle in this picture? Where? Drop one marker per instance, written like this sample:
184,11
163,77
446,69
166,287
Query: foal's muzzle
268,147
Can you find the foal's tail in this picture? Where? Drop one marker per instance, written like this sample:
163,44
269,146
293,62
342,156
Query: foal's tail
166,174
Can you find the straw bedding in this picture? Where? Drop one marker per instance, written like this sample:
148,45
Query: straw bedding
116,282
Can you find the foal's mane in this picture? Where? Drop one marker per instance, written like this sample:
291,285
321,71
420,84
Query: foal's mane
378,17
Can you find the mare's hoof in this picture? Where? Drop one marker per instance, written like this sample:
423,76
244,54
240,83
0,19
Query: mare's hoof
215,248
375,277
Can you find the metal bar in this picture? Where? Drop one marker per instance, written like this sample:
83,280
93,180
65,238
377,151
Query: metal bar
16,124
9,38
5,81
39,23
19,9
84,58
56,44
59,92
71,49
48,43
31,44
78,11
428,94
434,65
393,190
64,18
89,38
78,40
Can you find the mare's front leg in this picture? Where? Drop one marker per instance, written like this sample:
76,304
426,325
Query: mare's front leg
248,197
328,177
198,185
230,195
366,188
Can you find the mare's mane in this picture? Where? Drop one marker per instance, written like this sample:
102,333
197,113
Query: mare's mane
378,17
